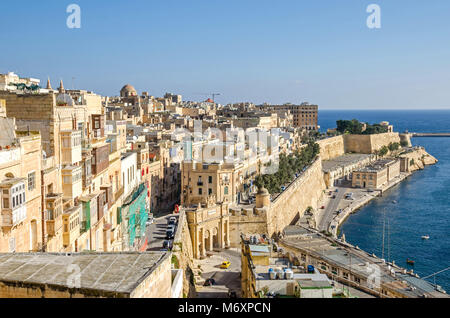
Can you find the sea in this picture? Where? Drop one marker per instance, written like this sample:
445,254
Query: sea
418,206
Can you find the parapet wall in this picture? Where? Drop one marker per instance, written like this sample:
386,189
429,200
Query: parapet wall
290,205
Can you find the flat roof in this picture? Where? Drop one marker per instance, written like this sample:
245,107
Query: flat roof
342,161
377,165
259,249
110,272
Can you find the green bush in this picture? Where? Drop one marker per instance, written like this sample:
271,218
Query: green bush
288,166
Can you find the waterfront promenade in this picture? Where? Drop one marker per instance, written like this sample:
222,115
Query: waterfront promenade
329,220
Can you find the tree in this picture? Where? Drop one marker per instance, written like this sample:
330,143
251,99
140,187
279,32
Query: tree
393,146
383,151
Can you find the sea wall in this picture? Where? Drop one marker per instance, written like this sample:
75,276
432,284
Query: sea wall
290,205
417,159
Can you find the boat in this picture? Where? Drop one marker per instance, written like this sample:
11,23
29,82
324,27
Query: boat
425,237
409,261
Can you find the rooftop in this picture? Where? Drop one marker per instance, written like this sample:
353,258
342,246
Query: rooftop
110,272
344,160
377,165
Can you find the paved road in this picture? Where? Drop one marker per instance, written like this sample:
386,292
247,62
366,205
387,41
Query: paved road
226,279
330,209
156,232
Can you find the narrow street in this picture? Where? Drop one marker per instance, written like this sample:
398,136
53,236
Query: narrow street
156,232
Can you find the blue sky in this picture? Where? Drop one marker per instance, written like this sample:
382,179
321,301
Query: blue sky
247,50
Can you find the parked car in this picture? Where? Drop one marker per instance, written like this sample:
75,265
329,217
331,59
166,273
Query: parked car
334,197
168,244
172,220
209,282
322,207
171,227
232,294
225,264
170,234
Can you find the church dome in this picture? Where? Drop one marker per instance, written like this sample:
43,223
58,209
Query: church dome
128,91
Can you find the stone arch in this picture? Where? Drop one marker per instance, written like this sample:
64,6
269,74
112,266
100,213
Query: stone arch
208,242
215,238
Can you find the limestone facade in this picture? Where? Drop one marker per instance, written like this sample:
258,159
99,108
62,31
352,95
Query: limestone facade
209,227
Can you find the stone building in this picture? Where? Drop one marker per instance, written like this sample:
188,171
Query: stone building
21,222
208,226
86,275
377,174
304,115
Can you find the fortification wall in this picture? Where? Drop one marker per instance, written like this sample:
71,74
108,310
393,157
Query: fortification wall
331,147
254,222
305,191
368,143
183,253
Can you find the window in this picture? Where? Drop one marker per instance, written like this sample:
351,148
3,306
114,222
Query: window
31,181
209,191
200,191
6,203
210,179
225,190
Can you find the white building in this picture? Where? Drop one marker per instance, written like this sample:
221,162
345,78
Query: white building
130,175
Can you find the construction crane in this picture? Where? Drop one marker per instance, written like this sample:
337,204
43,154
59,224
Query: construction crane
213,95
